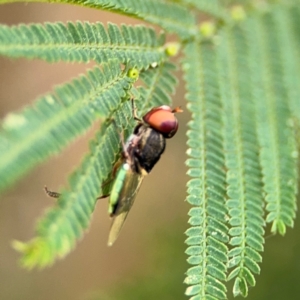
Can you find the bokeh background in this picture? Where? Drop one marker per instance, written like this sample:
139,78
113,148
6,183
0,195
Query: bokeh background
148,260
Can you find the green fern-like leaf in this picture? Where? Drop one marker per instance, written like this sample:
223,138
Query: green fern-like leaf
160,84
38,131
287,24
64,224
215,8
83,42
208,234
274,120
244,179
247,68
170,16
243,93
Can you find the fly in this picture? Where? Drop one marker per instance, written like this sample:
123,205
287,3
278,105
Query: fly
141,152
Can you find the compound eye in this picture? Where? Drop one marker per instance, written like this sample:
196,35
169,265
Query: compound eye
163,120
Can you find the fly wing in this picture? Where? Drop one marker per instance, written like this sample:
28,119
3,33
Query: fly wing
127,195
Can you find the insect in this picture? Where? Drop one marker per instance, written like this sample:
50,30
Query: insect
141,152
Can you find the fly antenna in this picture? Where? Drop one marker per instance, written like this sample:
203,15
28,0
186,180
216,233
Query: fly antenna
51,193
177,109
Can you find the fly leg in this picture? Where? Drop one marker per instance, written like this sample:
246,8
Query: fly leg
119,162
124,152
114,171
134,112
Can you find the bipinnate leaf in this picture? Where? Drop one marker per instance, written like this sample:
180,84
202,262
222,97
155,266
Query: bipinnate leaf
208,235
62,225
83,42
170,16
275,118
54,120
160,84
215,8
245,196
241,70
242,93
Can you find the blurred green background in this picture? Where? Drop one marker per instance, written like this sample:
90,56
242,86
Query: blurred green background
148,260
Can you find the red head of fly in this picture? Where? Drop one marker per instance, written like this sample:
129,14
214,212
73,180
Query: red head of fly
163,120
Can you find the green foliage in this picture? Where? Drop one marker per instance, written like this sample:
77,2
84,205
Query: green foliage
83,42
277,140
160,84
168,15
214,8
242,91
63,224
38,131
258,137
208,235
245,197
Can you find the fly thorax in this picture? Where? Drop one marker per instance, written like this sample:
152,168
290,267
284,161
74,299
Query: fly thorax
151,146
